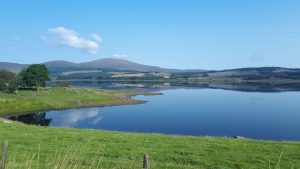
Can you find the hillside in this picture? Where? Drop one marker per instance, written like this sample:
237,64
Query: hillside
60,63
255,71
107,68
13,67
105,63
108,63
120,64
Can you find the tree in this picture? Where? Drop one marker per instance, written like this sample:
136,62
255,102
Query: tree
8,81
21,76
34,76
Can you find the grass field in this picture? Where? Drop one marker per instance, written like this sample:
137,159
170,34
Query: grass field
35,147
45,147
58,98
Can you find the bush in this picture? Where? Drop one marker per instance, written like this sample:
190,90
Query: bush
63,84
8,81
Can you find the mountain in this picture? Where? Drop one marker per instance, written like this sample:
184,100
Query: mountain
108,63
122,64
13,67
60,63
105,63
103,66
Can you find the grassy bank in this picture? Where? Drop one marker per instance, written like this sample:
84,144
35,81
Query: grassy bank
59,98
44,147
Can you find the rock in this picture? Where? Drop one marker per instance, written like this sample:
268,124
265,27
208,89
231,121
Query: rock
6,121
238,137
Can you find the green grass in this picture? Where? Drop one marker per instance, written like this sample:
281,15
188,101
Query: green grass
57,98
45,147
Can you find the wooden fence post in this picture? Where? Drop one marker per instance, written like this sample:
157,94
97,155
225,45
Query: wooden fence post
4,154
146,162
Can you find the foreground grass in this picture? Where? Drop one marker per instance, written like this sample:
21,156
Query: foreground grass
58,97
44,147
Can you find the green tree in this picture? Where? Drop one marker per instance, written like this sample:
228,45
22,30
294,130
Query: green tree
8,81
21,76
34,76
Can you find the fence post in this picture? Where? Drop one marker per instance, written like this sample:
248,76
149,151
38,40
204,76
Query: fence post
146,161
4,153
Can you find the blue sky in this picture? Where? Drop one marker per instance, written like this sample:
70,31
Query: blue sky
204,34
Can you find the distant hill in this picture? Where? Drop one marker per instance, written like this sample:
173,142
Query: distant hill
13,67
105,63
247,74
121,64
102,67
256,71
60,63
108,63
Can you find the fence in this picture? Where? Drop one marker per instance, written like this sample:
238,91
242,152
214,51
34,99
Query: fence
4,155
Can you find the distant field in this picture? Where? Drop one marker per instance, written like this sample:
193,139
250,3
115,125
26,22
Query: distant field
58,98
47,148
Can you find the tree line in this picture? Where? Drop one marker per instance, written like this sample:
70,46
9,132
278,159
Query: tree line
33,77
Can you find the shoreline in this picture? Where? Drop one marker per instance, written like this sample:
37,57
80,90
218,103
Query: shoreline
129,99
124,98
241,138
222,80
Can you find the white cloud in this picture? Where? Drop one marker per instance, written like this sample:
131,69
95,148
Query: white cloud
96,120
120,56
72,117
70,38
96,37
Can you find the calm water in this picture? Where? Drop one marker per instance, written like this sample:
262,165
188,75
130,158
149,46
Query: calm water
212,112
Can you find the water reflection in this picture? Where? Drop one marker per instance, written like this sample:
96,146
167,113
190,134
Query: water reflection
64,118
73,117
35,118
